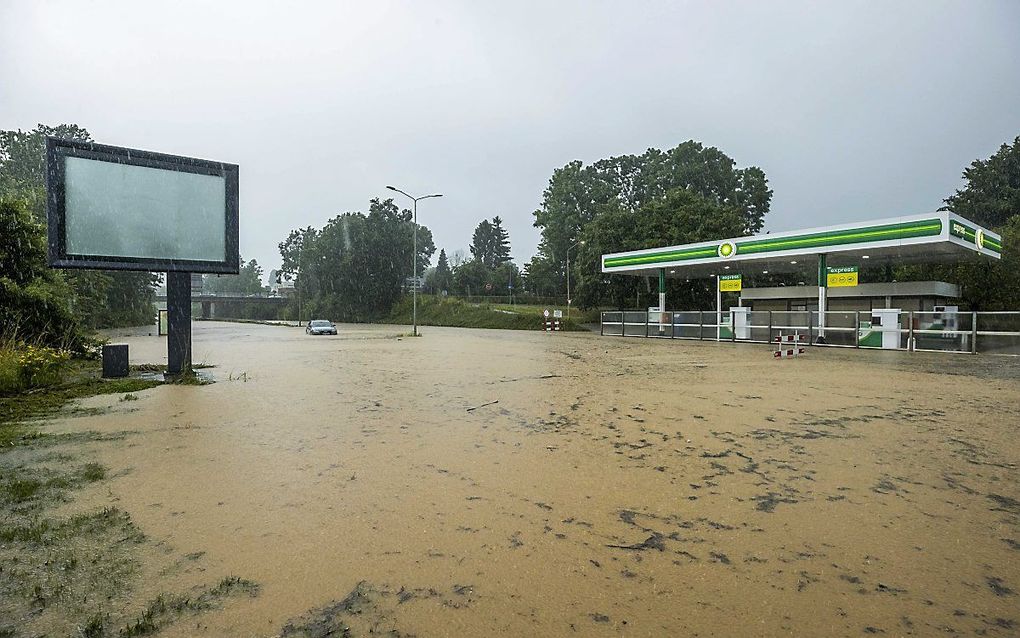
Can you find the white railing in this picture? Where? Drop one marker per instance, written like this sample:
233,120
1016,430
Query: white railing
973,332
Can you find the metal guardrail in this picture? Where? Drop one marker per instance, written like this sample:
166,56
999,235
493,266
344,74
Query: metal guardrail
884,329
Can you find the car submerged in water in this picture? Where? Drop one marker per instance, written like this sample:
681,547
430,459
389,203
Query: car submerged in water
320,327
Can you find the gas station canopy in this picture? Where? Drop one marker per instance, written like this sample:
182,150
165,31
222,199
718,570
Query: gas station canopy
935,237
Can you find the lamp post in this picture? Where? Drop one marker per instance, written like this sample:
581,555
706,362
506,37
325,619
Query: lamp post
414,255
579,242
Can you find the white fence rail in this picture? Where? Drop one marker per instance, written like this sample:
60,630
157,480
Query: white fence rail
969,332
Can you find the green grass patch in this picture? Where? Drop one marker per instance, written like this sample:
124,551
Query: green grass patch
167,608
92,472
26,489
35,404
449,311
45,531
64,572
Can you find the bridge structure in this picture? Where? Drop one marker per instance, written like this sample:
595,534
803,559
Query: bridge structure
209,301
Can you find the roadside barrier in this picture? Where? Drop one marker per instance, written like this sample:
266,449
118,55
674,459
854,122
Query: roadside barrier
789,346
881,328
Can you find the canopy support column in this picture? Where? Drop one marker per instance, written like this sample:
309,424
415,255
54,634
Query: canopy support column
662,299
718,310
823,282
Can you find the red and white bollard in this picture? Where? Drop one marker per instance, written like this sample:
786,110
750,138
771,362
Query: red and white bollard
789,346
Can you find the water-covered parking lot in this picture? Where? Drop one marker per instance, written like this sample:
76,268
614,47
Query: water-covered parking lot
477,482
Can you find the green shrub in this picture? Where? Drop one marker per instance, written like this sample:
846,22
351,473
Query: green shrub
24,367
10,372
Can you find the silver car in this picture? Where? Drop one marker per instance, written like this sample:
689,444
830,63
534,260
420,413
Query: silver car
320,327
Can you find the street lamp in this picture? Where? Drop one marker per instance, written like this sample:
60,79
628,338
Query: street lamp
414,255
579,242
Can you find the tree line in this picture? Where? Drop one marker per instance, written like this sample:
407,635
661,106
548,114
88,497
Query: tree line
357,266
693,193
36,302
686,194
991,198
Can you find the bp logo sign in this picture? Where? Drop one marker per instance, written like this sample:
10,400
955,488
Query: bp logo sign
979,239
727,249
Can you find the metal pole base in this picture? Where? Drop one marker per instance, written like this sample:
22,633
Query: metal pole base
178,305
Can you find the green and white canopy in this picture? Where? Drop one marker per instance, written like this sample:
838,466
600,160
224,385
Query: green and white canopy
935,237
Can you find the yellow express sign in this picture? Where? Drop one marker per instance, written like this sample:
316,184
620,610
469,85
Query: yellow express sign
841,277
729,283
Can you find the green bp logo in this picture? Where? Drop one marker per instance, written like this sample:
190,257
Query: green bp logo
727,249
979,239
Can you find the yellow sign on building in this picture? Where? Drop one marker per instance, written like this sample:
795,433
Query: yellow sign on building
841,277
729,283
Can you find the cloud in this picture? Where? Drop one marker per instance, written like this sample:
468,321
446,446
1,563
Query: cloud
854,111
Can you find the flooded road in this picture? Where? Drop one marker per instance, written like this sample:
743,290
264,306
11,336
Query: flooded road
476,482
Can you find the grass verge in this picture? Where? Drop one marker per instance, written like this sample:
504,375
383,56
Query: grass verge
77,574
438,311
16,410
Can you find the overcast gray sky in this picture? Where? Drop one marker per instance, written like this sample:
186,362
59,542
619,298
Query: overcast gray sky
855,110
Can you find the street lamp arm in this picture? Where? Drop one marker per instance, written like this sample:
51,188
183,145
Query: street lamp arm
393,188
412,197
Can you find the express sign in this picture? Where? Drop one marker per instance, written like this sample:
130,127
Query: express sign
841,277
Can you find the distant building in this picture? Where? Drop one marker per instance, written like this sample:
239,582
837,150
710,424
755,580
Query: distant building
279,284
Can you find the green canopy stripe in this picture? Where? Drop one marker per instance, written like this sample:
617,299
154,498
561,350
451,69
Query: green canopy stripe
922,228
885,232
669,255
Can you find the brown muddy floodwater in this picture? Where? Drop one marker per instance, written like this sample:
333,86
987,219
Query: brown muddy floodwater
478,483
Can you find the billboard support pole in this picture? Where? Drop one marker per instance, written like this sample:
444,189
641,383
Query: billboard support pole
178,305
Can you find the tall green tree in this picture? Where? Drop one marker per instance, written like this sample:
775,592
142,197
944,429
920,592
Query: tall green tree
500,242
441,278
490,243
990,197
291,249
578,194
248,281
357,266
99,298
23,162
33,298
680,217
542,277
471,278
482,249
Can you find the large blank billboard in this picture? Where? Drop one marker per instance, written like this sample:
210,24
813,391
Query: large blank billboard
119,208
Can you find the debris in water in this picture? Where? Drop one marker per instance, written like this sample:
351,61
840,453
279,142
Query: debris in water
483,405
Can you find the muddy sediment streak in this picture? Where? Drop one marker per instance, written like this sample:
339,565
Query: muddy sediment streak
478,482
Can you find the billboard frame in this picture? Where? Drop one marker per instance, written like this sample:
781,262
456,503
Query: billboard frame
56,213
